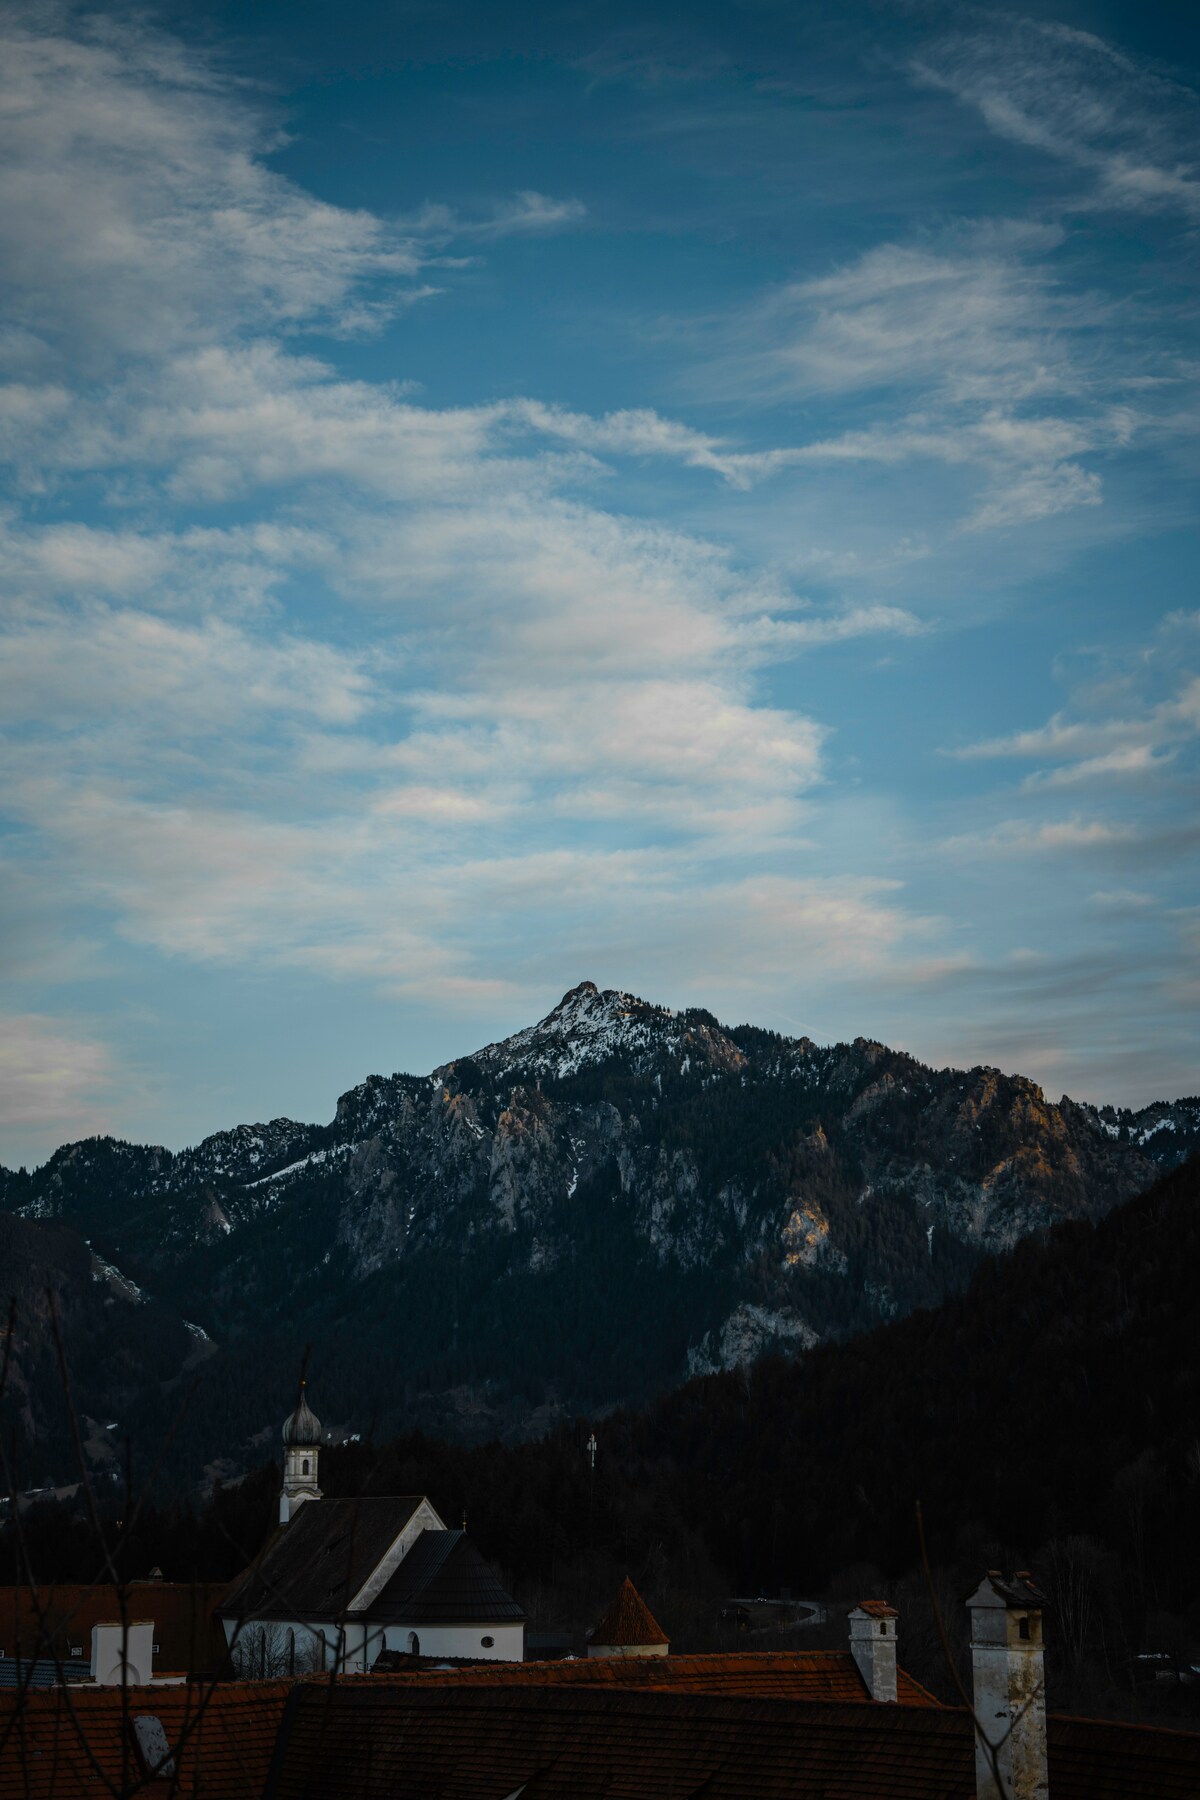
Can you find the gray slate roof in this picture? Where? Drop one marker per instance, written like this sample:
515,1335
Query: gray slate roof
313,1567
444,1581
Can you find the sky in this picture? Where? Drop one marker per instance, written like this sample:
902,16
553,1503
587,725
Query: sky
698,499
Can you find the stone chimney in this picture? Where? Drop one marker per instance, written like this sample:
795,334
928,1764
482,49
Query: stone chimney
873,1646
122,1655
1010,1688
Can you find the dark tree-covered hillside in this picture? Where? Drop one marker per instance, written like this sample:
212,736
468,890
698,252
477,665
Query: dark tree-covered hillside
1049,1416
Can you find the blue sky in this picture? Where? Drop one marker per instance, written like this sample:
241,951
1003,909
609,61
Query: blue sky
700,499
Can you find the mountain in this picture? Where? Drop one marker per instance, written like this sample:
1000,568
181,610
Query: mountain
1053,1401
123,1352
1045,1418
582,1214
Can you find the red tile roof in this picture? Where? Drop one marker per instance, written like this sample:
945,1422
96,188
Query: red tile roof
629,1621
62,1617
390,1740
57,1745
877,1609
382,1738
785,1674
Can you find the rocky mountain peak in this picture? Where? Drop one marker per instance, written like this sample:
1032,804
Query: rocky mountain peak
586,1027
711,1192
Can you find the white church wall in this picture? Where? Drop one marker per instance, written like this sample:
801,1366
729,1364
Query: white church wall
483,1643
272,1648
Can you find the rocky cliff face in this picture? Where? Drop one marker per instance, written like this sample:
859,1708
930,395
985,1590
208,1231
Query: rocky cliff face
594,1207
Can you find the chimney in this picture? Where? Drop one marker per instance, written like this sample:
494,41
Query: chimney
1010,1688
873,1646
122,1654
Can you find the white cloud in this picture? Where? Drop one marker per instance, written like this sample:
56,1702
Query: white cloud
1075,97
962,350
139,210
151,676
54,1081
1090,741
1136,762
1022,837
528,212
1121,900
429,712
972,319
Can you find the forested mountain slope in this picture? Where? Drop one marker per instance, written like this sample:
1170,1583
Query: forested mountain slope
1047,1417
581,1215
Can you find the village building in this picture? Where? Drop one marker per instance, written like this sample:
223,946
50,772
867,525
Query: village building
345,1581
792,1726
74,1632
628,1628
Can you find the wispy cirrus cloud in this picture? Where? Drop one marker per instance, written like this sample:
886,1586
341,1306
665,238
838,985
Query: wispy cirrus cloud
1081,100
972,318
1133,713
310,675
140,211
1126,744
229,783
962,350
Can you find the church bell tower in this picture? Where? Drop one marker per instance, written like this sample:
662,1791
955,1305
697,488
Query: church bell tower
301,1449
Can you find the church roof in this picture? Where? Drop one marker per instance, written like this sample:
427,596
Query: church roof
303,1426
445,1581
629,1620
313,1567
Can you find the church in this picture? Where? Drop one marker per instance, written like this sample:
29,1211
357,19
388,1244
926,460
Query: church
341,1581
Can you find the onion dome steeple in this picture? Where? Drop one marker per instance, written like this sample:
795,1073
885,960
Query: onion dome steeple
303,1426
302,1438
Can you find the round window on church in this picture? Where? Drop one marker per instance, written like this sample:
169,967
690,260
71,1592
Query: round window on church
487,1642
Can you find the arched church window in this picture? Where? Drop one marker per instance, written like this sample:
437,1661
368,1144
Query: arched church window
291,1651
304,1467
414,1644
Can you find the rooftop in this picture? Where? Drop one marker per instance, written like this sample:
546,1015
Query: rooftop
629,1620
54,1746
385,1739
445,1581
613,1736
60,1620
877,1609
831,1675
313,1567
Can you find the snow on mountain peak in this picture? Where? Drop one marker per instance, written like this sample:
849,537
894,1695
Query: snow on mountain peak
586,1026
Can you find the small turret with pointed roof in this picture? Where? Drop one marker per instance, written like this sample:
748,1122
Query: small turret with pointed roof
628,1628
302,1438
